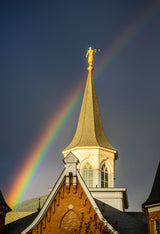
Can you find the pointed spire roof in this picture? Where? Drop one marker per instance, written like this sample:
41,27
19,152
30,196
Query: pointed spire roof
89,128
154,196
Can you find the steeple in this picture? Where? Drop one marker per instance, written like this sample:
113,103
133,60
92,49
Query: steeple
89,144
89,129
95,154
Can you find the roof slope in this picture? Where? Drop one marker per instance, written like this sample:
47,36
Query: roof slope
17,226
69,192
154,196
89,128
124,222
3,205
14,215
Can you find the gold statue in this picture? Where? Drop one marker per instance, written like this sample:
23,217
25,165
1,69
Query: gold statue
90,57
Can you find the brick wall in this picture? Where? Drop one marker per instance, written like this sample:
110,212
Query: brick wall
70,212
152,217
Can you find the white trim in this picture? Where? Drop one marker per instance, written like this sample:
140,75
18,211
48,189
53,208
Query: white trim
154,208
104,162
109,189
46,204
108,165
89,147
93,203
54,193
109,171
93,171
85,160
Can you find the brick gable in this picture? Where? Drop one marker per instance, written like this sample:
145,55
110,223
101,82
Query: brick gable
70,212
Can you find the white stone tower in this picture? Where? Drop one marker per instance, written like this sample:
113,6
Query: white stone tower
96,155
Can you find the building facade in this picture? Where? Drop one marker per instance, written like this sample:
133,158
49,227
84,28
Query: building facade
70,208
152,206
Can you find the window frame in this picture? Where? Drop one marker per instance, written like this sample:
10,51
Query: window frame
157,226
104,176
88,174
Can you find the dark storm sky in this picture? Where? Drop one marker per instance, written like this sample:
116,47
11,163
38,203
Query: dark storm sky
42,58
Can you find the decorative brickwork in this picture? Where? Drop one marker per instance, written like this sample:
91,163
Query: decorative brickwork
70,212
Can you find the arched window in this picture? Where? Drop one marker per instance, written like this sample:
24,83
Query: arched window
88,174
104,176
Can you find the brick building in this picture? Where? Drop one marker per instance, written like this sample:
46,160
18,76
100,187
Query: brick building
70,208
152,206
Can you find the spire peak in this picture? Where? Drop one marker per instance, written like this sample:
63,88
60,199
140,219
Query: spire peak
89,128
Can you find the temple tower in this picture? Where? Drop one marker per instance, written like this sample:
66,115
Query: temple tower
89,144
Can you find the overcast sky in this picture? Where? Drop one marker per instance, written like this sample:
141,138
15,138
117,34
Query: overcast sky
42,59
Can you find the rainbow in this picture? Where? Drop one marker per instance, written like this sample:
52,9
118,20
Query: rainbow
40,150
127,36
34,159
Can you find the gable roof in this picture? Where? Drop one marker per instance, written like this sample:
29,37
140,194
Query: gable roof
113,219
17,226
154,196
3,205
71,159
55,191
124,222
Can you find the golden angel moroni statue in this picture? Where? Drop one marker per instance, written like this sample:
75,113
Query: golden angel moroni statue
90,57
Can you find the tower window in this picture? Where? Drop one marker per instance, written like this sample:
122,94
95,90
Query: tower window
88,174
104,176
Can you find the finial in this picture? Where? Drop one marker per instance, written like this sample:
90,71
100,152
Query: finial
39,206
90,57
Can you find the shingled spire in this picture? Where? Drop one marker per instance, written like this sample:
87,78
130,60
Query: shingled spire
89,129
95,154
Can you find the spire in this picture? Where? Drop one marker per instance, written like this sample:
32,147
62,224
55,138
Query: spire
89,129
154,196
